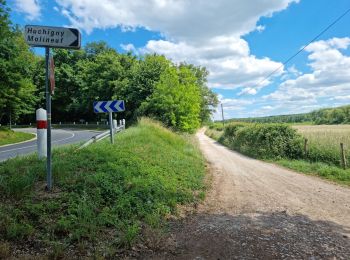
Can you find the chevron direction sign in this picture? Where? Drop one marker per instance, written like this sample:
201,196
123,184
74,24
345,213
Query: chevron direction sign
109,106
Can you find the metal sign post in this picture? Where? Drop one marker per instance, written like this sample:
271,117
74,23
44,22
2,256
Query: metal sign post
54,37
48,109
111,127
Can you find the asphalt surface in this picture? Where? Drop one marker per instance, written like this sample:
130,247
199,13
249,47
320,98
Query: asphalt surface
59,137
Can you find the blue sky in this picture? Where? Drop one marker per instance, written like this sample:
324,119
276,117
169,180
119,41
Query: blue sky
239,42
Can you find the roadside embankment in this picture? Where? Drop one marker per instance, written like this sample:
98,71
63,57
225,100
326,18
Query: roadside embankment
104,196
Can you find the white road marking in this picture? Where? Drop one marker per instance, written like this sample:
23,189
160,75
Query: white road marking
20,148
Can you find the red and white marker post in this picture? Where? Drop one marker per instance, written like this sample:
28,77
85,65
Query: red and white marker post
41,129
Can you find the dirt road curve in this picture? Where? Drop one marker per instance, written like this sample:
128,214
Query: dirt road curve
257,210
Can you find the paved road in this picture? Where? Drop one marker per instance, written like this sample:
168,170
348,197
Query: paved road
59,137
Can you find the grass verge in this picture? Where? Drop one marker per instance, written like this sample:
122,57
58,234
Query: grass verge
8,136
323,170
103,195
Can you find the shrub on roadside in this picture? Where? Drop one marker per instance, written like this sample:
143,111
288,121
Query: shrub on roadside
264,140
231,129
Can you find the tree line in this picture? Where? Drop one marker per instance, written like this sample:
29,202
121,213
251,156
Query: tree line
330,116
151,85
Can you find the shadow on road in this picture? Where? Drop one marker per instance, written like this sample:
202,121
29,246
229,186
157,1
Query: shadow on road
259,235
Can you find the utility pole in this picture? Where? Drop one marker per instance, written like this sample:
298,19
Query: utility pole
222,113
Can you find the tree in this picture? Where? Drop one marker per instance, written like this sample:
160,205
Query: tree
176,100
144,75
209,99
101,78
16,70
151,85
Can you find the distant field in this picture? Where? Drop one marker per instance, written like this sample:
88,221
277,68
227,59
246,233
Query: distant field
324,142
326,137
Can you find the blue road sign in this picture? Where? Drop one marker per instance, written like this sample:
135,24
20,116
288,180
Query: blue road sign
109,106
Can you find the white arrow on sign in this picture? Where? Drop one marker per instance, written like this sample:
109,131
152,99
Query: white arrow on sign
49,36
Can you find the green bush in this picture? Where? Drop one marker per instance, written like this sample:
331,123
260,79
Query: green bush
216,126
265,140
231,129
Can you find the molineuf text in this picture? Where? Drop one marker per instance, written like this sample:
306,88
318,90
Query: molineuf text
44,35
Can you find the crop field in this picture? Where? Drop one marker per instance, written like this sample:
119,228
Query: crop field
326,135
324,140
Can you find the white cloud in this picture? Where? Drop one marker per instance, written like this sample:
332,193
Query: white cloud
260,28
206,33
250,91
31,8
233,107
129,47
342,98
328,81
228,60
184,20
327,85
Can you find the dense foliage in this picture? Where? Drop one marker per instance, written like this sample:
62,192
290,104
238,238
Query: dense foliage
151,85
103,195
17,63
338,115
264,140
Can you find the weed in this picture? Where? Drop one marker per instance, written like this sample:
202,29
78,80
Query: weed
18,231
57,251
4,250
130,233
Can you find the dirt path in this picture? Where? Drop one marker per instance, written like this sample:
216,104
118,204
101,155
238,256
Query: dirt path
257,210
245,185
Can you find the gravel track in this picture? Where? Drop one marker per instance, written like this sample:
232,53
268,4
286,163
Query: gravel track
257,210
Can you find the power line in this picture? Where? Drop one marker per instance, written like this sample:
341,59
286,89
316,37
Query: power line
314,39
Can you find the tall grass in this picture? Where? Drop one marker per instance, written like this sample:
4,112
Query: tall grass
324,142
103,194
